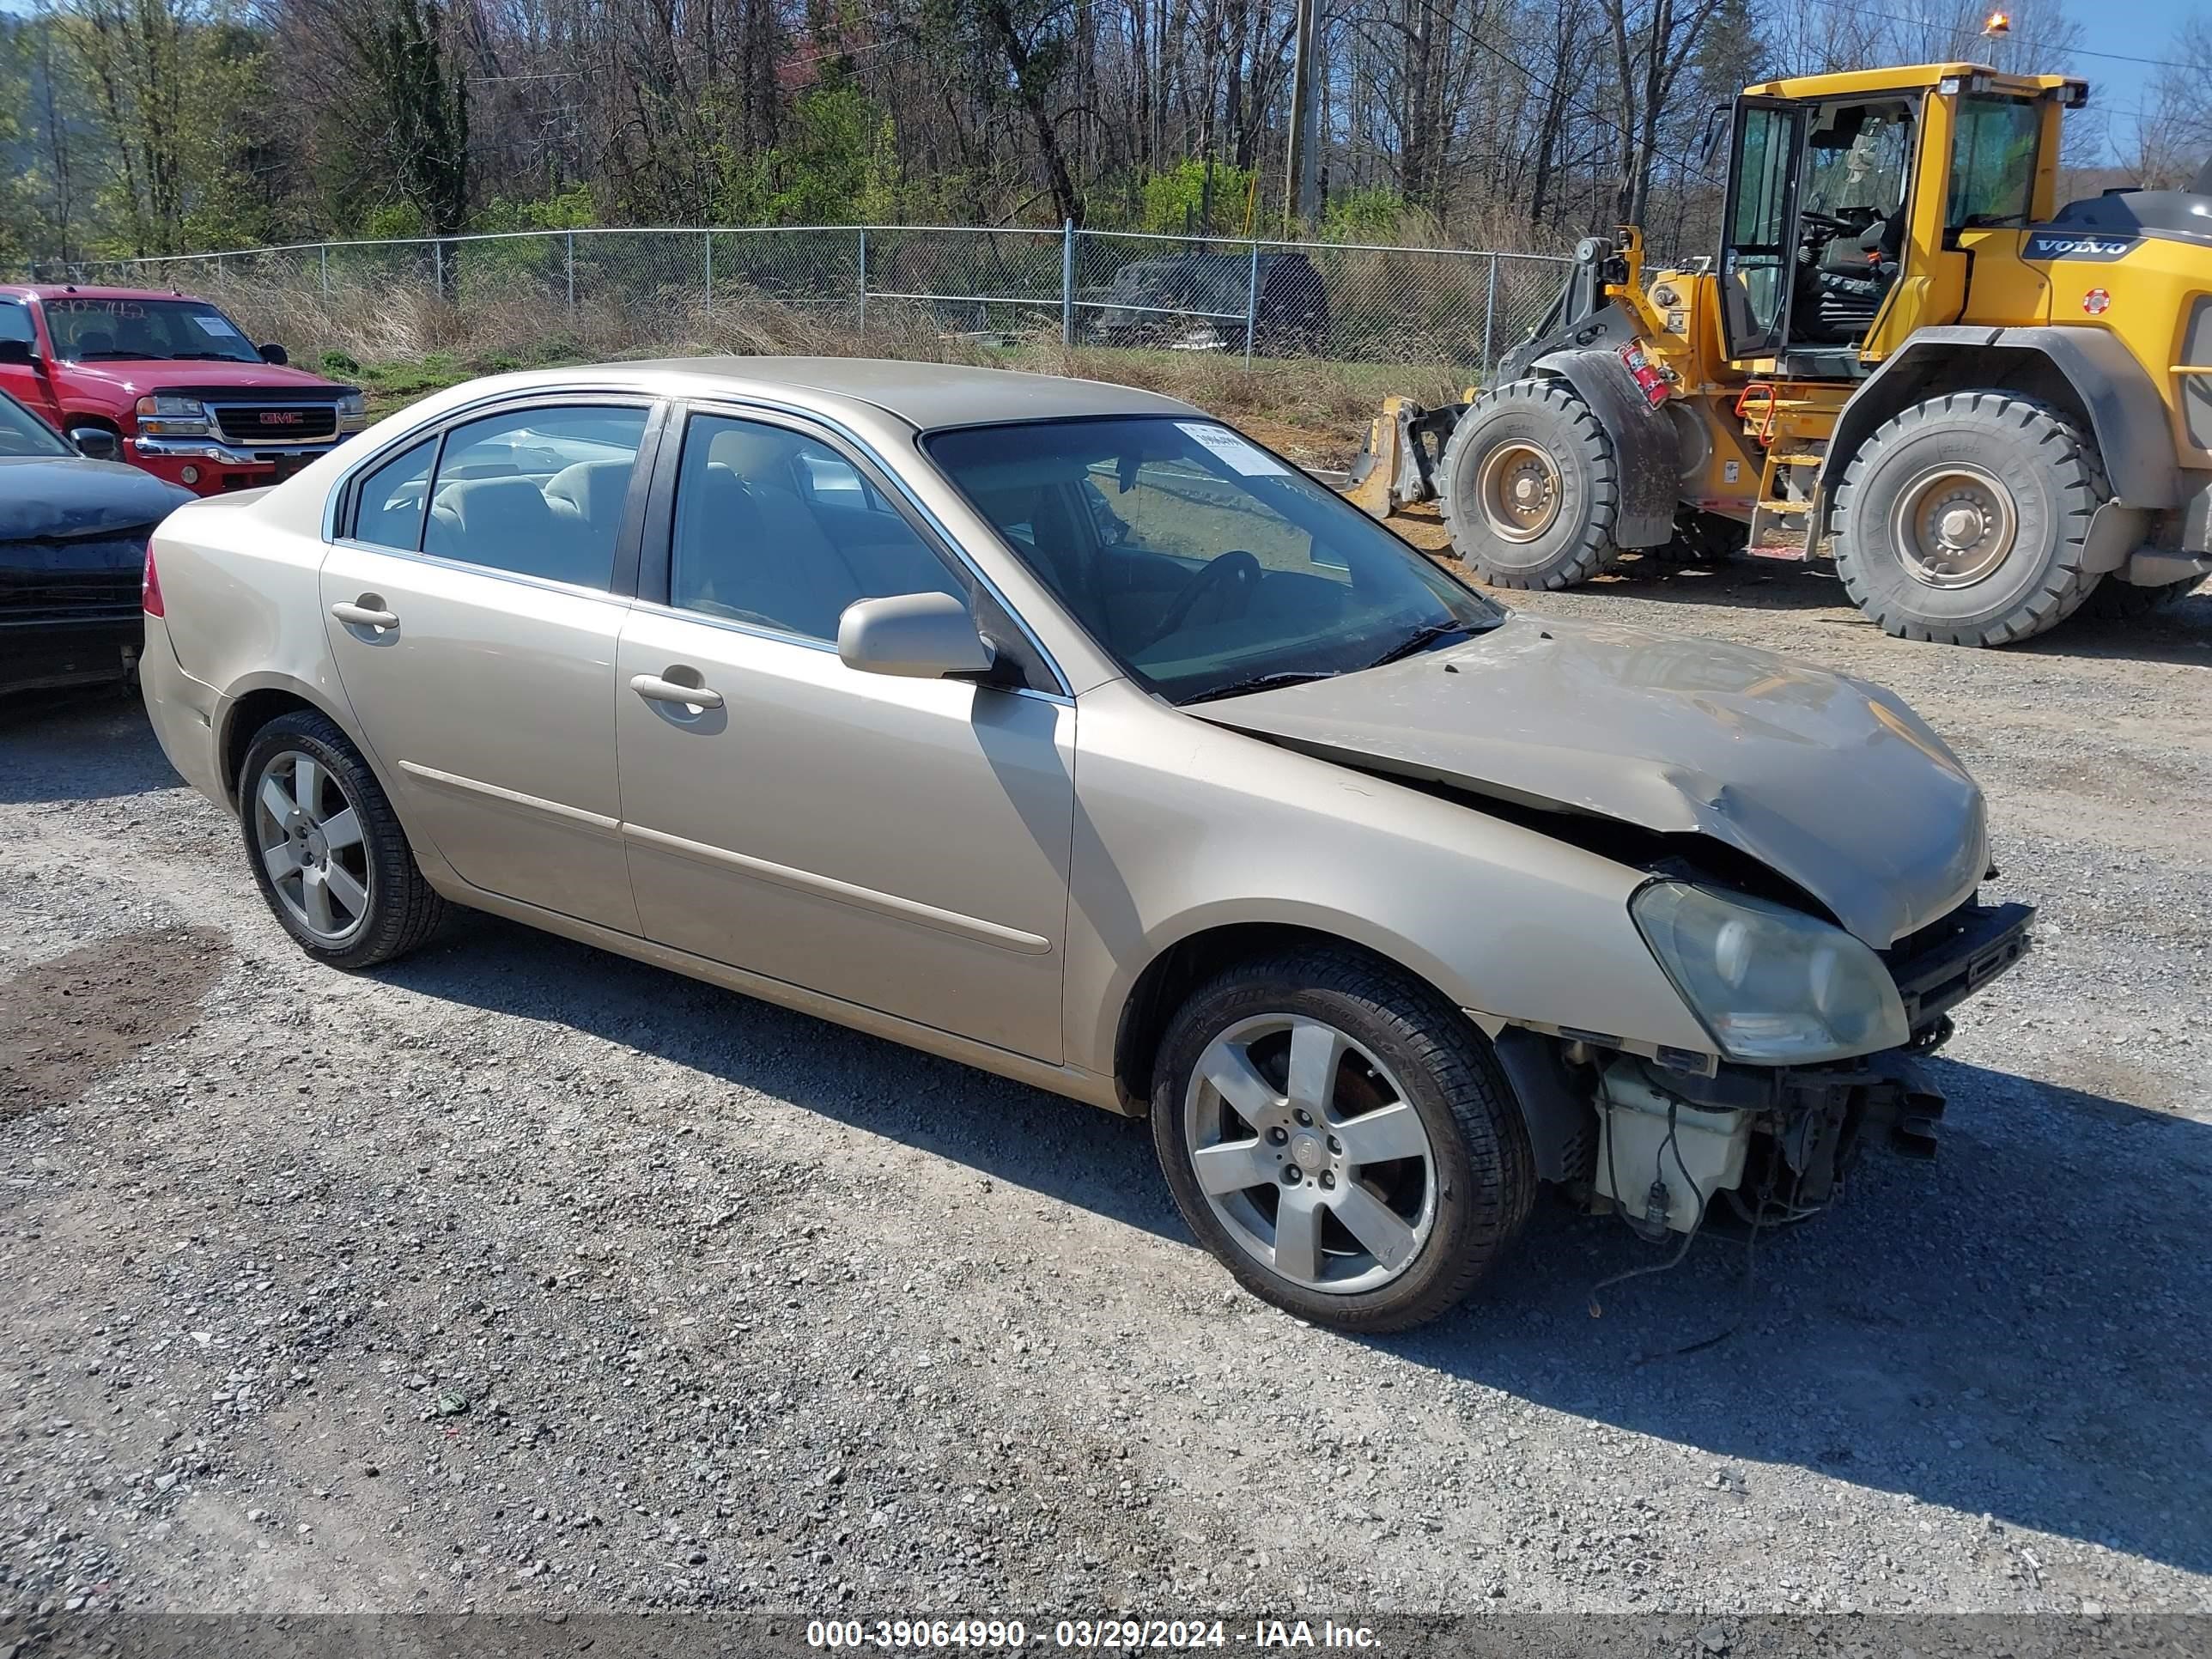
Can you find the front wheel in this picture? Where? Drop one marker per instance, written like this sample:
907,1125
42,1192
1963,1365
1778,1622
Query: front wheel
326,848
1341,1138
1531,487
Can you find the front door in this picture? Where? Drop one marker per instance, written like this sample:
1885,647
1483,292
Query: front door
472,611
902,844
1759,239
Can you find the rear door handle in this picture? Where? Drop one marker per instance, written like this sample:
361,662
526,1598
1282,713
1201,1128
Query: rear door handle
360,615
656,690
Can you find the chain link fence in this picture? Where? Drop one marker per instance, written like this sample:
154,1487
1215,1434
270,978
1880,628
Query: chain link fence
876,286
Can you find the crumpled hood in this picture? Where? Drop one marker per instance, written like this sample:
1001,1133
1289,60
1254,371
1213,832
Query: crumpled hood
1832,782
61,498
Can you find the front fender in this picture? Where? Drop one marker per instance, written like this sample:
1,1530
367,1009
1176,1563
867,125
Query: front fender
1645,444
2127,416
1211,829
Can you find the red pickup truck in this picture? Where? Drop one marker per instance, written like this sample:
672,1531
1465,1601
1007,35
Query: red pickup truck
168,383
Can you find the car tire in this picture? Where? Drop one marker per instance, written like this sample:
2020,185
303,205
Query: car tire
1531,487
314,817
1454,1206
2024,476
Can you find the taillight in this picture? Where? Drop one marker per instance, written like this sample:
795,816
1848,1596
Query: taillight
150,590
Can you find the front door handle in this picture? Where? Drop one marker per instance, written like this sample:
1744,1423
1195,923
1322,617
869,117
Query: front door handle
657,690
361,615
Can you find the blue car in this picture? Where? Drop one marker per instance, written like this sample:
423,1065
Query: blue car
73,534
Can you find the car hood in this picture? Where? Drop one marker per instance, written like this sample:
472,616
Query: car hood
61,498
137,378
1833,783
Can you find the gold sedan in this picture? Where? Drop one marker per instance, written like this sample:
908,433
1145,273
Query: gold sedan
1058,728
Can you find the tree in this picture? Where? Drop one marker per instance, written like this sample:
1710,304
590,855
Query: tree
413,101
2172,140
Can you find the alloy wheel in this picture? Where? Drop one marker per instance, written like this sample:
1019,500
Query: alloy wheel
309,837
1310,1154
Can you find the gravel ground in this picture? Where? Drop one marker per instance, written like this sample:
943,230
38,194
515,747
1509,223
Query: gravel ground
524,1279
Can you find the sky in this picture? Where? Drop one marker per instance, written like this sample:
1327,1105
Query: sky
2139,28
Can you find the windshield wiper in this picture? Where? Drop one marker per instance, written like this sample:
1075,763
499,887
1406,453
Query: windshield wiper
1422,638
1257,683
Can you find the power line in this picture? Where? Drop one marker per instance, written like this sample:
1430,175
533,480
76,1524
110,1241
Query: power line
2070,52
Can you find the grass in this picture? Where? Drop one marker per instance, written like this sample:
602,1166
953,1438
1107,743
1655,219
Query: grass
400,344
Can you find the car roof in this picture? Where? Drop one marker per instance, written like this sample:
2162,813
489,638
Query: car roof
92,291
926,395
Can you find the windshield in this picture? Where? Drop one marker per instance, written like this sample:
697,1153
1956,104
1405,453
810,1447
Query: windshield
1199,282
86,330
1202,563
22,433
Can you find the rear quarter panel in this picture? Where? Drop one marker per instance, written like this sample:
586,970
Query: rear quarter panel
239,580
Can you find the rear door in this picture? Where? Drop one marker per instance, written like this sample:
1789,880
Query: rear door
1758,236
472,603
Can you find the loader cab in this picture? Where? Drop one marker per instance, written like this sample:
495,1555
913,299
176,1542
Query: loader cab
1852,199
1815,233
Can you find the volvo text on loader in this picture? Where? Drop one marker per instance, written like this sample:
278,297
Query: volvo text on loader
1991,410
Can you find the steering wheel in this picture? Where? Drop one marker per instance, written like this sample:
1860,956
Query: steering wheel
1235,573
1827,222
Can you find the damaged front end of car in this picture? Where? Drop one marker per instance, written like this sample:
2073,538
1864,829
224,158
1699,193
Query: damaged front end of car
1660,1136
1808,857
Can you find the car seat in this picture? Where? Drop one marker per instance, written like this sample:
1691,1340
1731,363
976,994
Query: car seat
508,524
593,493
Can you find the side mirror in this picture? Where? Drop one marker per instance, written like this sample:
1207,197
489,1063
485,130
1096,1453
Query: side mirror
273,353
17,354
916,636
95,443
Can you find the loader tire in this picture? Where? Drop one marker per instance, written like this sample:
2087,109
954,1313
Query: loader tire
1963,519
2115,601
1531,487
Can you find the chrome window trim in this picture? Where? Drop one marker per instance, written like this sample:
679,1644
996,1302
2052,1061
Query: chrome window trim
828,647
742,404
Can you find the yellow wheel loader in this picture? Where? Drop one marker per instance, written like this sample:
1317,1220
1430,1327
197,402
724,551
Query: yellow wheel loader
1991,410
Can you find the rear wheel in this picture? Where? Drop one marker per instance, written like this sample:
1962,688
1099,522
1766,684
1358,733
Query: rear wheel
327,850
1531,488
1963,519
1341,1138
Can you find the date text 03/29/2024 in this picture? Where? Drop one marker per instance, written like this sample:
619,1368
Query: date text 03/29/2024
1111,1635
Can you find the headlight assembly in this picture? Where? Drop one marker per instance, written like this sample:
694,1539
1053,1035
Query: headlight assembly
172,417
1772,985
353,412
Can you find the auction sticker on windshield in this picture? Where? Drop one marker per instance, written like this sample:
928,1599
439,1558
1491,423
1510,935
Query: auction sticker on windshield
1252,462
219,326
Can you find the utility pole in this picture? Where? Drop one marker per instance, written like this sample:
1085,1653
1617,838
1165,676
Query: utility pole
1300,169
